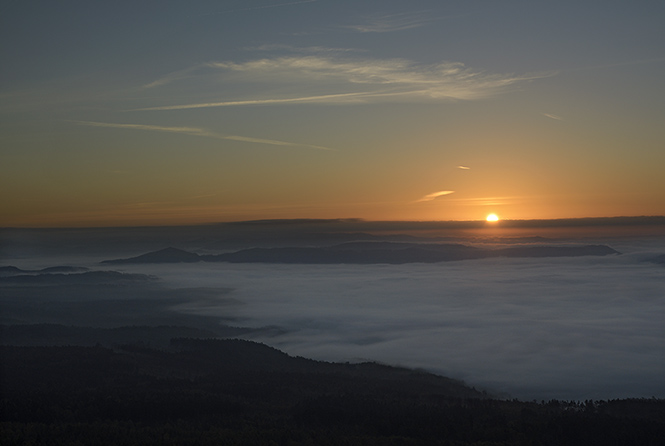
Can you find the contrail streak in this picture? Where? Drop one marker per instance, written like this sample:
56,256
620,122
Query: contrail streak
257,102
194,131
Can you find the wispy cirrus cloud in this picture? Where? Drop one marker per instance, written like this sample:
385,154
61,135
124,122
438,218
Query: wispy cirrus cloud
172,77
329,98
434,195
157,128
552,116
355,80
197,70
446,78
463,167
194,131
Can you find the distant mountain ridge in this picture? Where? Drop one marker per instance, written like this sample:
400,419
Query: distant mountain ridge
166,255
12,270
85,278
366,253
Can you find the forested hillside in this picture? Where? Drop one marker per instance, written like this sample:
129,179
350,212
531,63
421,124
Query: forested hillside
239,392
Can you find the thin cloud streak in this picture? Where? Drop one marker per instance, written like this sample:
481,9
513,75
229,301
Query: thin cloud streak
272,142
328,98
434,196
549,115
463,167
193,131
158,128
398,79
171,77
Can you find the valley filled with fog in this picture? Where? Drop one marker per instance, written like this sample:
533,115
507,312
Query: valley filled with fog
555,328
528,328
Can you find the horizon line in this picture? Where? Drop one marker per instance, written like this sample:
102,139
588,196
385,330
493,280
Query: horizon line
622,220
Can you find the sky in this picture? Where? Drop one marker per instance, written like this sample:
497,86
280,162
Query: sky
165,112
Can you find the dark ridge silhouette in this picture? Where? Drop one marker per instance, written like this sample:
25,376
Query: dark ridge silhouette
86,278
398,253
63,269
166,255
122,242
347,237
555,251
359,253
294,221
11,270
559,222
203,391
60,335
230,363
7,270
369,253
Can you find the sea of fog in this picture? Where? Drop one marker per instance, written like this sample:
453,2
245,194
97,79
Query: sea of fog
565,328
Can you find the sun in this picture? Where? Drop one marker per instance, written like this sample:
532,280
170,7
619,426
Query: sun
492,217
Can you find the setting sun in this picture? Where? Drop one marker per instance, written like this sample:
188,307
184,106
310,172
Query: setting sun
492,217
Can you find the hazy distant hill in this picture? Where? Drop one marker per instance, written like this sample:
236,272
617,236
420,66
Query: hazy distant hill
12,270
89,277
166,255
368,253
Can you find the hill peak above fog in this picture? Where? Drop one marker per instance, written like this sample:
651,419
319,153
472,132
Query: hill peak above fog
166,255
367,253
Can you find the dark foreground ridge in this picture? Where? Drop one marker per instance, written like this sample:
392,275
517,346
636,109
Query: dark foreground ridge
367,253
205,391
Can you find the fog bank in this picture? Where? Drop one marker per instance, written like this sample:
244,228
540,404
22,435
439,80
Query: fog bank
571,328
532,328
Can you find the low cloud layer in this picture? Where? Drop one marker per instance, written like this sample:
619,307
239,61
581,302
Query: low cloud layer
566,328
571,328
